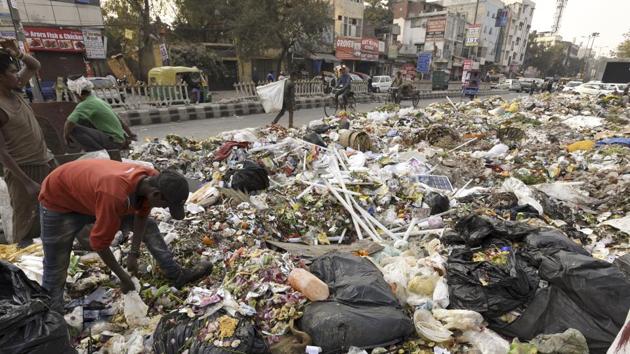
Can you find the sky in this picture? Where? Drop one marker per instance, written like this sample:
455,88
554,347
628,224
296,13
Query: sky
611,18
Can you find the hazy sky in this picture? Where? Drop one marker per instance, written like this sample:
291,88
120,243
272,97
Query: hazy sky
611,18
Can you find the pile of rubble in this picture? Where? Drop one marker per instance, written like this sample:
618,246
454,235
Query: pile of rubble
489,225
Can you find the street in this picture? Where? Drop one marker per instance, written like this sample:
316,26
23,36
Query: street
210,127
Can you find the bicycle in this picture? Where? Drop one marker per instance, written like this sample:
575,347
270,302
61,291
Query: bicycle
332,105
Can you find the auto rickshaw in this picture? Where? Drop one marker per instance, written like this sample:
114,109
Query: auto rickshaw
176,75
471,81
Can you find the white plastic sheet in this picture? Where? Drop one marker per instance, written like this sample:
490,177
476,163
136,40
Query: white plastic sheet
522,192
271,96
6,211
135,309
580,122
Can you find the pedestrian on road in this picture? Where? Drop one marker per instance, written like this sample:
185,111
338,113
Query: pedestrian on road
93,124
23,150
271,77
288,102
532,88
92,200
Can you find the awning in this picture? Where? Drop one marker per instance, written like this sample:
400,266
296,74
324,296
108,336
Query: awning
329,58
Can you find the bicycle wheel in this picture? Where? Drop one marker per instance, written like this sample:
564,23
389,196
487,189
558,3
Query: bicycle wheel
330,107
415,100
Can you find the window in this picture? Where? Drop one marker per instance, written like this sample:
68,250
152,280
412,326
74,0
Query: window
351,27
490,31
521,56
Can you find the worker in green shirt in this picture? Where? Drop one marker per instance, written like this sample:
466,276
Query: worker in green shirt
93,124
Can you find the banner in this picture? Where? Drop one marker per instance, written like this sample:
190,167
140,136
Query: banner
348,48
54,40
424,62
473,32
369,49
502,18
94,48
467,64
436,27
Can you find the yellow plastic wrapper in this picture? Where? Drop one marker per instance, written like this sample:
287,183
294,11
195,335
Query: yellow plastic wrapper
584,145
513,108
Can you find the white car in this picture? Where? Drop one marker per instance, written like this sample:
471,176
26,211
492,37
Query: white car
571,85
382,83
592,89
613,87
511,85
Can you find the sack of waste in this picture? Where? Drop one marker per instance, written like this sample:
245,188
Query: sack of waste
363,311
27,323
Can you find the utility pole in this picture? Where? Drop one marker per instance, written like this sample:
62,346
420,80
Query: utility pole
21,38
587,60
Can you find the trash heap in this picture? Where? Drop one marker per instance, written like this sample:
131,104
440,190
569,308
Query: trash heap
490,226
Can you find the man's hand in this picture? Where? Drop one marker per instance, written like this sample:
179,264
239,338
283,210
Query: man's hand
10,45
133,136
32,189
126,284
132,264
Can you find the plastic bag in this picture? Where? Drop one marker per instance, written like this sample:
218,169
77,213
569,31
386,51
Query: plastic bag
522,192
6,211
462,320
135,309
430,328
27,324
176,332
271,96
570,341
250,177
437,202
486,341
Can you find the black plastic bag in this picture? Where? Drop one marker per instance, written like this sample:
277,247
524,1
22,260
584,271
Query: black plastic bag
27,324
363,313
487,288
176,332
584,293
437,202
314,138
335,327
474,229
250,177
353,280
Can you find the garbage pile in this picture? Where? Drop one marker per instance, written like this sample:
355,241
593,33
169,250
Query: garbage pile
489,226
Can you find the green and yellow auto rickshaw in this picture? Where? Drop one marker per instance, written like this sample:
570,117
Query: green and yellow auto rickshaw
193,78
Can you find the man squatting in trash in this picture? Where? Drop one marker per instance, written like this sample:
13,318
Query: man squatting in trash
91,200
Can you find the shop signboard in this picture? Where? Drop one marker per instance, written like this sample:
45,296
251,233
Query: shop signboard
348,48
424,62
369,49
54,40
473,33
94,48
436,27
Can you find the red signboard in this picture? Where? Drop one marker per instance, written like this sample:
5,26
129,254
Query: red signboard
369,49
349,48
467,64
54,40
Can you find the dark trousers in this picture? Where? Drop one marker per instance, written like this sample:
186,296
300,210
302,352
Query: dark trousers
58,233
92,139
25,206
286,106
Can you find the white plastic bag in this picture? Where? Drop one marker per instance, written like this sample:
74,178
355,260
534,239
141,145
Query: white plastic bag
135,309
6,211
522,192
430,328
462,320
271,96
486,341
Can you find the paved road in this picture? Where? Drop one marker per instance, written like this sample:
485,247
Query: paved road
210,127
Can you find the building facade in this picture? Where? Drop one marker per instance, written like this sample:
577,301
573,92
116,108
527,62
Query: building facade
66,36
515,34
484,15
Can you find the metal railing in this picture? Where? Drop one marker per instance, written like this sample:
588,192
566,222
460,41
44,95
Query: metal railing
303,88
136,96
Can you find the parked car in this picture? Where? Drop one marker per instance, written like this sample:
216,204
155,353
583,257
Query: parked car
571,85
355,77
613,87
511,85
107,90
363,76
526,83
592,89
382,83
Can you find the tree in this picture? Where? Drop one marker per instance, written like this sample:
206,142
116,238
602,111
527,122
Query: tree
550,60
623,49
130,16
280,24
204,20
378,13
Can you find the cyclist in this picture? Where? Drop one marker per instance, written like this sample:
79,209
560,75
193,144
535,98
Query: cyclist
396,85
344,86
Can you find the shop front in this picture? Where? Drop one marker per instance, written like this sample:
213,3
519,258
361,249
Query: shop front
61,51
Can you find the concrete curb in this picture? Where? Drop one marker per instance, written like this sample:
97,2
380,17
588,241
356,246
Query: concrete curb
214,110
